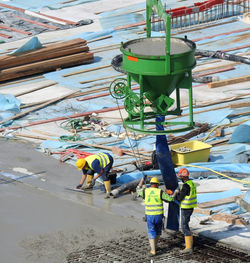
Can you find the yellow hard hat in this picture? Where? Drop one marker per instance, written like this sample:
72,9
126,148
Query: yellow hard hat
154,180
80,163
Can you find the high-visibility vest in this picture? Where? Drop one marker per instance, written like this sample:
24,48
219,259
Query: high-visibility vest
153,202
190,201
102,157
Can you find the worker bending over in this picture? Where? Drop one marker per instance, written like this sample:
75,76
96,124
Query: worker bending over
153,198
188,200
97,163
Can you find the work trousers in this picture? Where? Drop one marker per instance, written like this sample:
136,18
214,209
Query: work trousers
154,223
107,168
185,218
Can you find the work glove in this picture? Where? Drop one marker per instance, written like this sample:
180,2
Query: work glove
92,182
79,186
168,191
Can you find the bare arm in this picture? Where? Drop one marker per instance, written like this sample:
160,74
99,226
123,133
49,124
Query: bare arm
83,178
98,175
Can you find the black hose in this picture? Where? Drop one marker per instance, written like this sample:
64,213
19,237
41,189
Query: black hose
116,63
204,79
222,55
124,187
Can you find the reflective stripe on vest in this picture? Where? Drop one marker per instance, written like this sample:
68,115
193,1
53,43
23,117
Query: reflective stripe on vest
153,202
190,201
101,157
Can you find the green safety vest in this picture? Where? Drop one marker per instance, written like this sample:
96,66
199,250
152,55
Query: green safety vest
153,202
190,201
102,157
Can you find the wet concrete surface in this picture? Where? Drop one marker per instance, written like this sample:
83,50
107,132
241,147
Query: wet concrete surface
41,221
156,46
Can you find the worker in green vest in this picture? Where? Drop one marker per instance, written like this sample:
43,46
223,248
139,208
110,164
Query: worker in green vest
96,163
153,198
188,200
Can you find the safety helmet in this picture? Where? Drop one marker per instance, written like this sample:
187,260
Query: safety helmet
154,180
183,172
80,163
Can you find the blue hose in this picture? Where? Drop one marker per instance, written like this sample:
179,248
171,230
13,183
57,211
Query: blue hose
168,174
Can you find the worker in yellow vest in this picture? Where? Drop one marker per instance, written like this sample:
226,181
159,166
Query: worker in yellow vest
153,198
188,200
97,163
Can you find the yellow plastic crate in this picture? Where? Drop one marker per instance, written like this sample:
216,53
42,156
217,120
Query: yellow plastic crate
199,152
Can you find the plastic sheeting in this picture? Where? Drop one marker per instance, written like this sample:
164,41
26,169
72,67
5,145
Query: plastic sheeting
9,106
32,44
247,196
50,144
241,134
219,167
51,4
201,198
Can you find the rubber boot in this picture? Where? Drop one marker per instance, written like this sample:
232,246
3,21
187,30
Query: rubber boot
107,185
189,244
152,246
156,241
88,181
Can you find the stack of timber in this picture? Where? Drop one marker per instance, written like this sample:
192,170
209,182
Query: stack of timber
53,57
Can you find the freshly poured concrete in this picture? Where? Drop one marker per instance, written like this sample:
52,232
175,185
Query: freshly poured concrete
156,46
43,222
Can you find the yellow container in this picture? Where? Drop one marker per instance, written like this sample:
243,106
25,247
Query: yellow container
198,152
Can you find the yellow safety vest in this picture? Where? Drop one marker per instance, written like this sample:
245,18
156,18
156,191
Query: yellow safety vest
190,201
153,202
102,157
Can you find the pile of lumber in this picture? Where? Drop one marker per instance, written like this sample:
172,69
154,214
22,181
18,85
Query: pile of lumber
52,57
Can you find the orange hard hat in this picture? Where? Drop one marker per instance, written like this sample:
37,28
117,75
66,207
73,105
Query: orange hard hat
183,172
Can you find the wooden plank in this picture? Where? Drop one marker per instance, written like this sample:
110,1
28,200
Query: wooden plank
34,89
20,81
85,70
5,36
240,105
51,47
16,30
218,202
221,83
46,66
202,211
99,38
222,34
214,71
97,79
48,52
198,69
12,7
16,61
238,114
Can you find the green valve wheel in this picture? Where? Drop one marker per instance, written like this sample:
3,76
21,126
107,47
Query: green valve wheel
118,88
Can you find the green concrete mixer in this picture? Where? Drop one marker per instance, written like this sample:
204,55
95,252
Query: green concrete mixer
160,65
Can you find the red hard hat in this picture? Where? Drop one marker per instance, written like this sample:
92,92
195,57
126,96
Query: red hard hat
183,172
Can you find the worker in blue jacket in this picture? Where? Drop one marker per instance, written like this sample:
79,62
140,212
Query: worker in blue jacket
187,197
96,163
153,198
